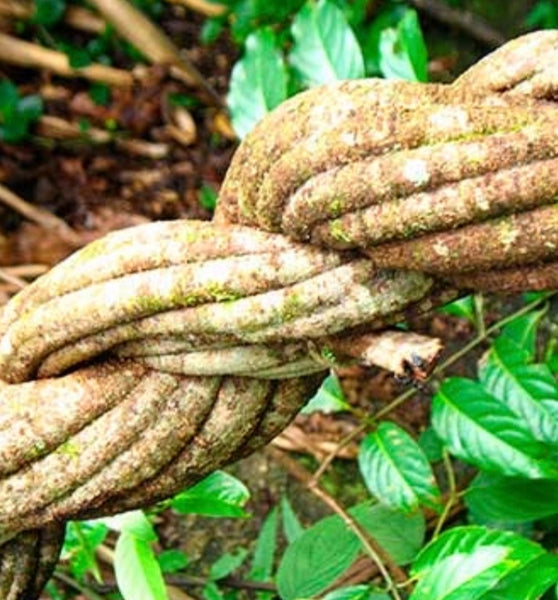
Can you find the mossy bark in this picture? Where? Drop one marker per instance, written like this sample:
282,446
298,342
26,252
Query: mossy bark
158,354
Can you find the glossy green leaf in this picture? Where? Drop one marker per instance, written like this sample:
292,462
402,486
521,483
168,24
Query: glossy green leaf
396,470
137,571
482,431
493,498
480,563
530,391
262,565
528,582
291,525
226,564
172,561
218,495
467,539
325,48
462,307
403,51
258,81
80,542
328,399
134,522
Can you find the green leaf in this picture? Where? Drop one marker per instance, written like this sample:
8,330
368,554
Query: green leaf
476,562
258,81
100,93
400,535
211,591
356,592
218,495
480,430
9,99
138,574
328,399
412,39
291,525
48,12
172,561
530,391
469,575
262,565
529,582
327,549
523,331
463,308
492,498
325,48
77,57
544,15
226,564
79,547
133,522
396,470
403,51
207,197
431,445
316,559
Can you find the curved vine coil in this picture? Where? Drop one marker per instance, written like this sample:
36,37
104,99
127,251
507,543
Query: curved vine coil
163,352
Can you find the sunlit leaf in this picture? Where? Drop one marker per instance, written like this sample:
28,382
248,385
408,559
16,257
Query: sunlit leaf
476,562
396,470
138,574
325,48
328,399
482,431
218,495
403,51
529,390
258,81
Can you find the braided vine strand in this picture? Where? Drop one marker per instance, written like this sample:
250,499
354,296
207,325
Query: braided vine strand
253,293
400,167
166,296
27,562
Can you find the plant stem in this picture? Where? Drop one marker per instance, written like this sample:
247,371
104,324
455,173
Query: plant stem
452,494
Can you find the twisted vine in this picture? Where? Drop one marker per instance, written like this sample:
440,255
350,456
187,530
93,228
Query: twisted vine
160,353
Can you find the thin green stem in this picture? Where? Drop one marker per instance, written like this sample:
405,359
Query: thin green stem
481,337
452,494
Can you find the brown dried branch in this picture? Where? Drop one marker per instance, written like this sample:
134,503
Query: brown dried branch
133,25
38,215
18,52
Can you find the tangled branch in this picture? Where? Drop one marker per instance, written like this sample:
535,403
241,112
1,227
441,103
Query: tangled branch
160,353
